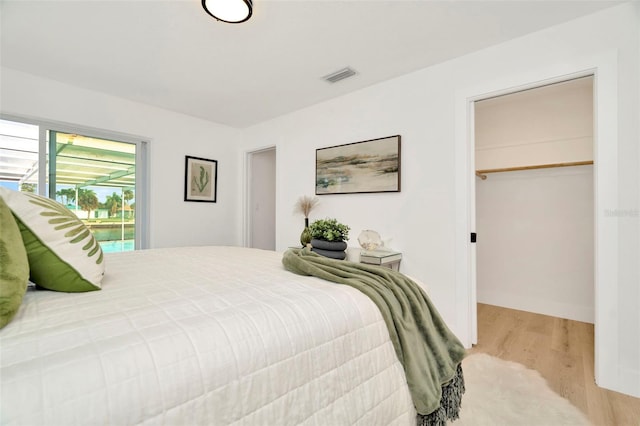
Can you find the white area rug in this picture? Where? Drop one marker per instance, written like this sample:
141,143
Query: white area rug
507,393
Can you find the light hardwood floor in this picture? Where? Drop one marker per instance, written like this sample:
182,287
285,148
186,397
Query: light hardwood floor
562,351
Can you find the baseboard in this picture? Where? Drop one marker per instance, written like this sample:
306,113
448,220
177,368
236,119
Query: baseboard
538,306
629,381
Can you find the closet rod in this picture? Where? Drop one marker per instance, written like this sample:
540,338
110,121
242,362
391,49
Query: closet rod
482,173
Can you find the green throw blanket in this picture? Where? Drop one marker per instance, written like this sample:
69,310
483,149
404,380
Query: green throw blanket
429,352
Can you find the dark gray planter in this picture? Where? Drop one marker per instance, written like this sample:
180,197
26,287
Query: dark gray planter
333,254
329,245
332,249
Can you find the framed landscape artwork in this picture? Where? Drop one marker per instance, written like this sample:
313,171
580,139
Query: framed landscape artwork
359,167
200,179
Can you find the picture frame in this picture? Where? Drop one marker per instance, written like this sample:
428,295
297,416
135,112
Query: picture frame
200,179
359,167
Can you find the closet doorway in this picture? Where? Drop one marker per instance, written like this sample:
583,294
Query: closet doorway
534,204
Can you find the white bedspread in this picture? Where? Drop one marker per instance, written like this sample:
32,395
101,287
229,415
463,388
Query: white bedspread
201,336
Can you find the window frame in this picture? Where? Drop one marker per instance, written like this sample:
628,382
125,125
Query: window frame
142,164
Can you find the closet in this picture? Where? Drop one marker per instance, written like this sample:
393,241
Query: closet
534,200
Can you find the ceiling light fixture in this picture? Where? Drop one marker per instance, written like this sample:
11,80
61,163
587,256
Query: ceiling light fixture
231,11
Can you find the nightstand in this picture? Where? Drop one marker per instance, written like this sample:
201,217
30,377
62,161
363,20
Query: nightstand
388,259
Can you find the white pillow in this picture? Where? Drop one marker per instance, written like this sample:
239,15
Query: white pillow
63,253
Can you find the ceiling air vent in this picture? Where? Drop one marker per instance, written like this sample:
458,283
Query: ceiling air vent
339,75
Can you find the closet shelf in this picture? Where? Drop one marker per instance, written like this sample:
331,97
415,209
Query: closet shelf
482,174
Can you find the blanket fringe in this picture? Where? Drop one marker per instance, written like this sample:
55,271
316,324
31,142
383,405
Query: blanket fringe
450,402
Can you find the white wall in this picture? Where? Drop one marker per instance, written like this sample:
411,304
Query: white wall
535,241
173,222
421,220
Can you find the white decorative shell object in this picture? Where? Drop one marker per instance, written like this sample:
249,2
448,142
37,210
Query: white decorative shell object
369,240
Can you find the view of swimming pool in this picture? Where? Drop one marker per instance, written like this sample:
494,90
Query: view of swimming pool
117,246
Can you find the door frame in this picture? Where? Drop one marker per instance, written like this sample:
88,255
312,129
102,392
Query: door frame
604,69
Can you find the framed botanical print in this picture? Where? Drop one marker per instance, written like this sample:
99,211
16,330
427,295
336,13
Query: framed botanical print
200,179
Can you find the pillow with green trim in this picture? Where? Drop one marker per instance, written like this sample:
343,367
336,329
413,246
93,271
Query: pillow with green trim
63,253
14,266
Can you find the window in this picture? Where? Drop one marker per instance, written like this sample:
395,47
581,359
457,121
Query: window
95,176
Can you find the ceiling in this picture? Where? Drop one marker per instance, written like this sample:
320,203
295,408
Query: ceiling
171,54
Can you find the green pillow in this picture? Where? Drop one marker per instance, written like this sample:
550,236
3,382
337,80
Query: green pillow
14,266
63,254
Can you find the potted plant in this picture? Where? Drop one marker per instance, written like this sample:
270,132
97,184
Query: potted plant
328,238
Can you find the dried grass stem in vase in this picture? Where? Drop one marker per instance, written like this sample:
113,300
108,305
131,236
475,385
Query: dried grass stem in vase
304,205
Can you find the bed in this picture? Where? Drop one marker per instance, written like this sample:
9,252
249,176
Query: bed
209,335
201,335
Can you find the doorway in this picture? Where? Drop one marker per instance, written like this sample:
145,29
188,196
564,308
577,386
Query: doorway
261,199
604,68
534,200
